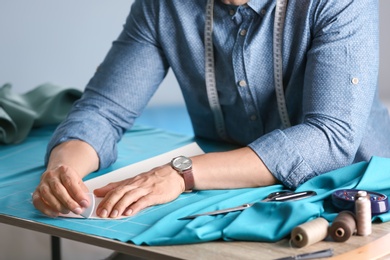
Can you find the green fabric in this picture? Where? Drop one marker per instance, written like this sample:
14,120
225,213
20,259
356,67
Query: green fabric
44,105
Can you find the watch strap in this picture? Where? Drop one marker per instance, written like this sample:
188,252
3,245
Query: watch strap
188,177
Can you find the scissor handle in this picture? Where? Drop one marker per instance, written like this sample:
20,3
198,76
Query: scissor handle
275,194
288,196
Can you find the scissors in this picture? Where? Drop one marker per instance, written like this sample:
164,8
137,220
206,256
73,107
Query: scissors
274,196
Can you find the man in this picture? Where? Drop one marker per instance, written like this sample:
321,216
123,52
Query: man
330,66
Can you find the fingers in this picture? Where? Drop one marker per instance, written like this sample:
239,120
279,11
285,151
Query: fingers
141,204
130,196
118,201
51,195
42,206
60,191
75,190
101,192
129,204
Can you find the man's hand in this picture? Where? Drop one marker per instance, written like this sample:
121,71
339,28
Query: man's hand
239,168
61,190
160,185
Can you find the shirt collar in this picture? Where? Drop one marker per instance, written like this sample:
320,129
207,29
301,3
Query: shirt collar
256,5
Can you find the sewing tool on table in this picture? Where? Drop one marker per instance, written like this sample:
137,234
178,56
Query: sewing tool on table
358,207
363,213
364,204
313,255
274,196
88,212
343,226
345,200
310,232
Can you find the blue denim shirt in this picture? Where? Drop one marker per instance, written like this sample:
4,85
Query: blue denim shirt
330,68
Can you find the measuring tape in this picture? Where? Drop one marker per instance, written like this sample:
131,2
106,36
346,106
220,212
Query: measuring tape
280,16
211,86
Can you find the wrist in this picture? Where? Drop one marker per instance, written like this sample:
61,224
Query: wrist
183,165
74,154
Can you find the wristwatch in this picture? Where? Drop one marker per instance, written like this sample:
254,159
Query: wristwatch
183,166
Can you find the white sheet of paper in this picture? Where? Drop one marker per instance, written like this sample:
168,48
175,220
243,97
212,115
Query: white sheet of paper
133,170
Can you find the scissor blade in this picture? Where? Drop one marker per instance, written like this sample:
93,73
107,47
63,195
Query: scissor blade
217,212
275,196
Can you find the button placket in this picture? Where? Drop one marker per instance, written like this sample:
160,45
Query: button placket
243,86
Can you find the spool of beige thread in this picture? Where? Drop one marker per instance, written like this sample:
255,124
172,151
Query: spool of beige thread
310,232
343,226
363,214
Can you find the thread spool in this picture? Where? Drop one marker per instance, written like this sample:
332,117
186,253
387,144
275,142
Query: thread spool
343,226
310,232
363,214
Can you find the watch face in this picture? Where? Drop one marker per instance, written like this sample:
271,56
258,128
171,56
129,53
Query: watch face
182,163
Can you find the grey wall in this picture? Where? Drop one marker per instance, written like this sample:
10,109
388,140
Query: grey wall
63,42
384,73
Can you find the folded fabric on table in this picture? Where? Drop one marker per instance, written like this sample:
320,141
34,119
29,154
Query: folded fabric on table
44,105
265,221
21,166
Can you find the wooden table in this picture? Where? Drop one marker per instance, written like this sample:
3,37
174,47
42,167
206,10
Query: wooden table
211,250
28,157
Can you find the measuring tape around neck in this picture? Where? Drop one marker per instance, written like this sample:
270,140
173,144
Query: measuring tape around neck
211,86
280,16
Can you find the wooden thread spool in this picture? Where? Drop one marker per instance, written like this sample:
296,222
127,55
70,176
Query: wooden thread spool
363,213
343,226
310,232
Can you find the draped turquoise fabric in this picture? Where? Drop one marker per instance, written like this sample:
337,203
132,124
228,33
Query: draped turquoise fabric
22,164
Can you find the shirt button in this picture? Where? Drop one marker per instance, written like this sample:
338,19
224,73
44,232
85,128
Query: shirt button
242,83
232,12
253,117
355,81
243,32
263,11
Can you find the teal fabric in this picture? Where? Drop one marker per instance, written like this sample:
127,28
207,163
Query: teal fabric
267,221
44,105
22,164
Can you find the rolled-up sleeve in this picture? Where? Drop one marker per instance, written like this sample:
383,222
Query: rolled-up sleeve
339,86
120,88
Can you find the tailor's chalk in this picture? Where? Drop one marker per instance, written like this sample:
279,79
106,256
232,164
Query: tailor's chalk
87,213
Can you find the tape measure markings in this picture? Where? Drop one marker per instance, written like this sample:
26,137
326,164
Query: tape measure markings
280,15
211,88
